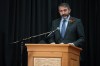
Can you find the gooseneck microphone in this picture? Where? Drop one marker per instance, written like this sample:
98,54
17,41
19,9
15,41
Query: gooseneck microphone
36,36
53,31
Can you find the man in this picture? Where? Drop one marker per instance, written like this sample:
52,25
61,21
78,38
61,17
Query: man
70,31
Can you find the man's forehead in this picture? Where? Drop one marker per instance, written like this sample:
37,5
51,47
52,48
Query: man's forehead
63,7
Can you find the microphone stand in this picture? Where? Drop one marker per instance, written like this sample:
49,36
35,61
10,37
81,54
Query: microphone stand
22,43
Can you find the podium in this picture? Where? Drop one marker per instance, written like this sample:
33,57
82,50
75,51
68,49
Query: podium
53,55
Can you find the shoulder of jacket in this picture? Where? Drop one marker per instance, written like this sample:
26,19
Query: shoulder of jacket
56,20
74,19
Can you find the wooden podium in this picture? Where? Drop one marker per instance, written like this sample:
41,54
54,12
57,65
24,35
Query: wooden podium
53,55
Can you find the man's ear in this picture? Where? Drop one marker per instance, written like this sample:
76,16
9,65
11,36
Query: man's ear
69,10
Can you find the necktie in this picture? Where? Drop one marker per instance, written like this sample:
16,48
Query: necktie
63,28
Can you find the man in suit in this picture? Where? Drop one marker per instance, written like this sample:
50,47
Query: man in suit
70,31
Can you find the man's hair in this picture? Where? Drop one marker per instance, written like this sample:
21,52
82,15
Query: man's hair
64,5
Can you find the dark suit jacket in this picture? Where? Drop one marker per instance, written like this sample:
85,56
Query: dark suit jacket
74,32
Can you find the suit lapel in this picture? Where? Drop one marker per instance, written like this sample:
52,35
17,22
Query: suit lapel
57,25
68,26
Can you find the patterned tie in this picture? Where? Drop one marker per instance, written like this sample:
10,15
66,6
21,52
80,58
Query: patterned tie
63,28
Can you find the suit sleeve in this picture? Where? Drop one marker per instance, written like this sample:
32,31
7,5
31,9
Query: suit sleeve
81,35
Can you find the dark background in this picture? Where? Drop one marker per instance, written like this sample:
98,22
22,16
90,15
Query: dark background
23,18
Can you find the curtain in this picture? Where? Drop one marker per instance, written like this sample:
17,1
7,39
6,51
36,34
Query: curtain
24,18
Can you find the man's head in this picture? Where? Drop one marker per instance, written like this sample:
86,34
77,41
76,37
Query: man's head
64,9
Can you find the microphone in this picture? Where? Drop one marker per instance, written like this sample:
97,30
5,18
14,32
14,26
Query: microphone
53,31
24,39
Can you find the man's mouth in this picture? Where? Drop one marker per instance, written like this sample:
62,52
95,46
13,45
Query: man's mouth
64,15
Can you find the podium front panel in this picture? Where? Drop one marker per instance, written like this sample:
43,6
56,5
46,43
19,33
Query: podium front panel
53,55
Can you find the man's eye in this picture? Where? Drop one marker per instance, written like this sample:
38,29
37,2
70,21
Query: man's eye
60,10
65,9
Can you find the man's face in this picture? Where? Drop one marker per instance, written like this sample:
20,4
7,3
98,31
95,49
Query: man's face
64,11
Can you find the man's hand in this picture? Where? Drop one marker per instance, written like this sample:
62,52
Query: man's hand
61,43
71,44
53,43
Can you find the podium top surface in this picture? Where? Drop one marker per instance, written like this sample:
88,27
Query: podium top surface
53,45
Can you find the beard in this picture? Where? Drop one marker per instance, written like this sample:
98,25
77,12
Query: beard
64,15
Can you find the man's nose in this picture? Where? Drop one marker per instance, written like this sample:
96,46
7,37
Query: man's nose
63,12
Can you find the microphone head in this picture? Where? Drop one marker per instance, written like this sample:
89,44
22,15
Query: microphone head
58,28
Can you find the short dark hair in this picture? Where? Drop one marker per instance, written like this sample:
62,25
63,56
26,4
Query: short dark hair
64,5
